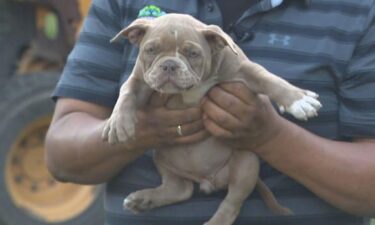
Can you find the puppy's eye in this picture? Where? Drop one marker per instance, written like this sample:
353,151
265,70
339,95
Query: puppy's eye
150,50
193,54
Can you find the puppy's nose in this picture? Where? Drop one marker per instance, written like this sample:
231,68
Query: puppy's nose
169,66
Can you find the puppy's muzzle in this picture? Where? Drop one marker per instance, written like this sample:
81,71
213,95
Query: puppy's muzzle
169,67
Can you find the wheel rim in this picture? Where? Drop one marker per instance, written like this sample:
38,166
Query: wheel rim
32,187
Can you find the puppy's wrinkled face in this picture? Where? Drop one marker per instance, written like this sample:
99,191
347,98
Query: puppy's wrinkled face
174,59
176,50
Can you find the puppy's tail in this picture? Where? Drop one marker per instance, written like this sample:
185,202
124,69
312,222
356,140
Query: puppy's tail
270,200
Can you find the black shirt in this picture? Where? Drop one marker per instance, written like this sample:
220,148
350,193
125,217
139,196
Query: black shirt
232,10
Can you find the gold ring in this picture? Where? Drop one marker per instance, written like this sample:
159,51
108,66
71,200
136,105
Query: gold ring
179,130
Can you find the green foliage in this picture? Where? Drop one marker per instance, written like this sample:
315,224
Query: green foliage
373,222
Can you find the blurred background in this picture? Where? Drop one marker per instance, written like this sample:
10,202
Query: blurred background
35,39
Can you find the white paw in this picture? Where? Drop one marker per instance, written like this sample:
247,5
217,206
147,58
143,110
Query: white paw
305,107
119,128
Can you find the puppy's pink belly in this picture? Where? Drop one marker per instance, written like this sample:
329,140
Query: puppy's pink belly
197,161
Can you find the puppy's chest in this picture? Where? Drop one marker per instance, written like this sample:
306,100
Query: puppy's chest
193,96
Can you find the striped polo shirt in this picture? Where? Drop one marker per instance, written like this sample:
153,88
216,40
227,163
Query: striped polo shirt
327,46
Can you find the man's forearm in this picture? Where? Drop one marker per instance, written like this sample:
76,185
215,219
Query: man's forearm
76,152
339,172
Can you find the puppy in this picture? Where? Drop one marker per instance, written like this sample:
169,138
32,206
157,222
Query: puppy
182,57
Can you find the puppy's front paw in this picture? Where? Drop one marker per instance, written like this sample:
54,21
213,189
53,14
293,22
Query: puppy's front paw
119,128
305,107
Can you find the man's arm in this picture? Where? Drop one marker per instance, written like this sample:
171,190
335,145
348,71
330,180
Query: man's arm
76,153
341,173
74,149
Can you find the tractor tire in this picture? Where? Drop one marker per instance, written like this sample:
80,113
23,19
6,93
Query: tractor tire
28,193
16,33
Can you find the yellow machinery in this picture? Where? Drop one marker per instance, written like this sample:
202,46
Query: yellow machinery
35,39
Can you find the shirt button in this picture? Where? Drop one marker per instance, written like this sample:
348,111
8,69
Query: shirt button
210,7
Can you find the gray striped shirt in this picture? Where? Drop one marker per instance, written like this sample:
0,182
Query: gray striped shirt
326,46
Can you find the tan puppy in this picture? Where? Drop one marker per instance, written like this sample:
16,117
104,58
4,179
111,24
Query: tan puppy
183,57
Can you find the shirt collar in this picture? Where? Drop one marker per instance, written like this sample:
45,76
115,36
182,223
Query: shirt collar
276,3
307,2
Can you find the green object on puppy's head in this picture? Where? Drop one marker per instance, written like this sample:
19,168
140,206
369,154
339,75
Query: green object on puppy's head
151,12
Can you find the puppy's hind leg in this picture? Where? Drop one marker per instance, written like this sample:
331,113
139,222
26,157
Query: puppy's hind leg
243,176
172,190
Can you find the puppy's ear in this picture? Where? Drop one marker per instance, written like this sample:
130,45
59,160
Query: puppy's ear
218,39
134,32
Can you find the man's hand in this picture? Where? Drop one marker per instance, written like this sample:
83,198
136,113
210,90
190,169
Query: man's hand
239,117
75,151
341,173
157,125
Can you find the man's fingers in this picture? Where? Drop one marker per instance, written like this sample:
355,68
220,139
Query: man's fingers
157,99
188,129
230,103
239,90
220,115
215,129
198,136
185,129
178,117
190,133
